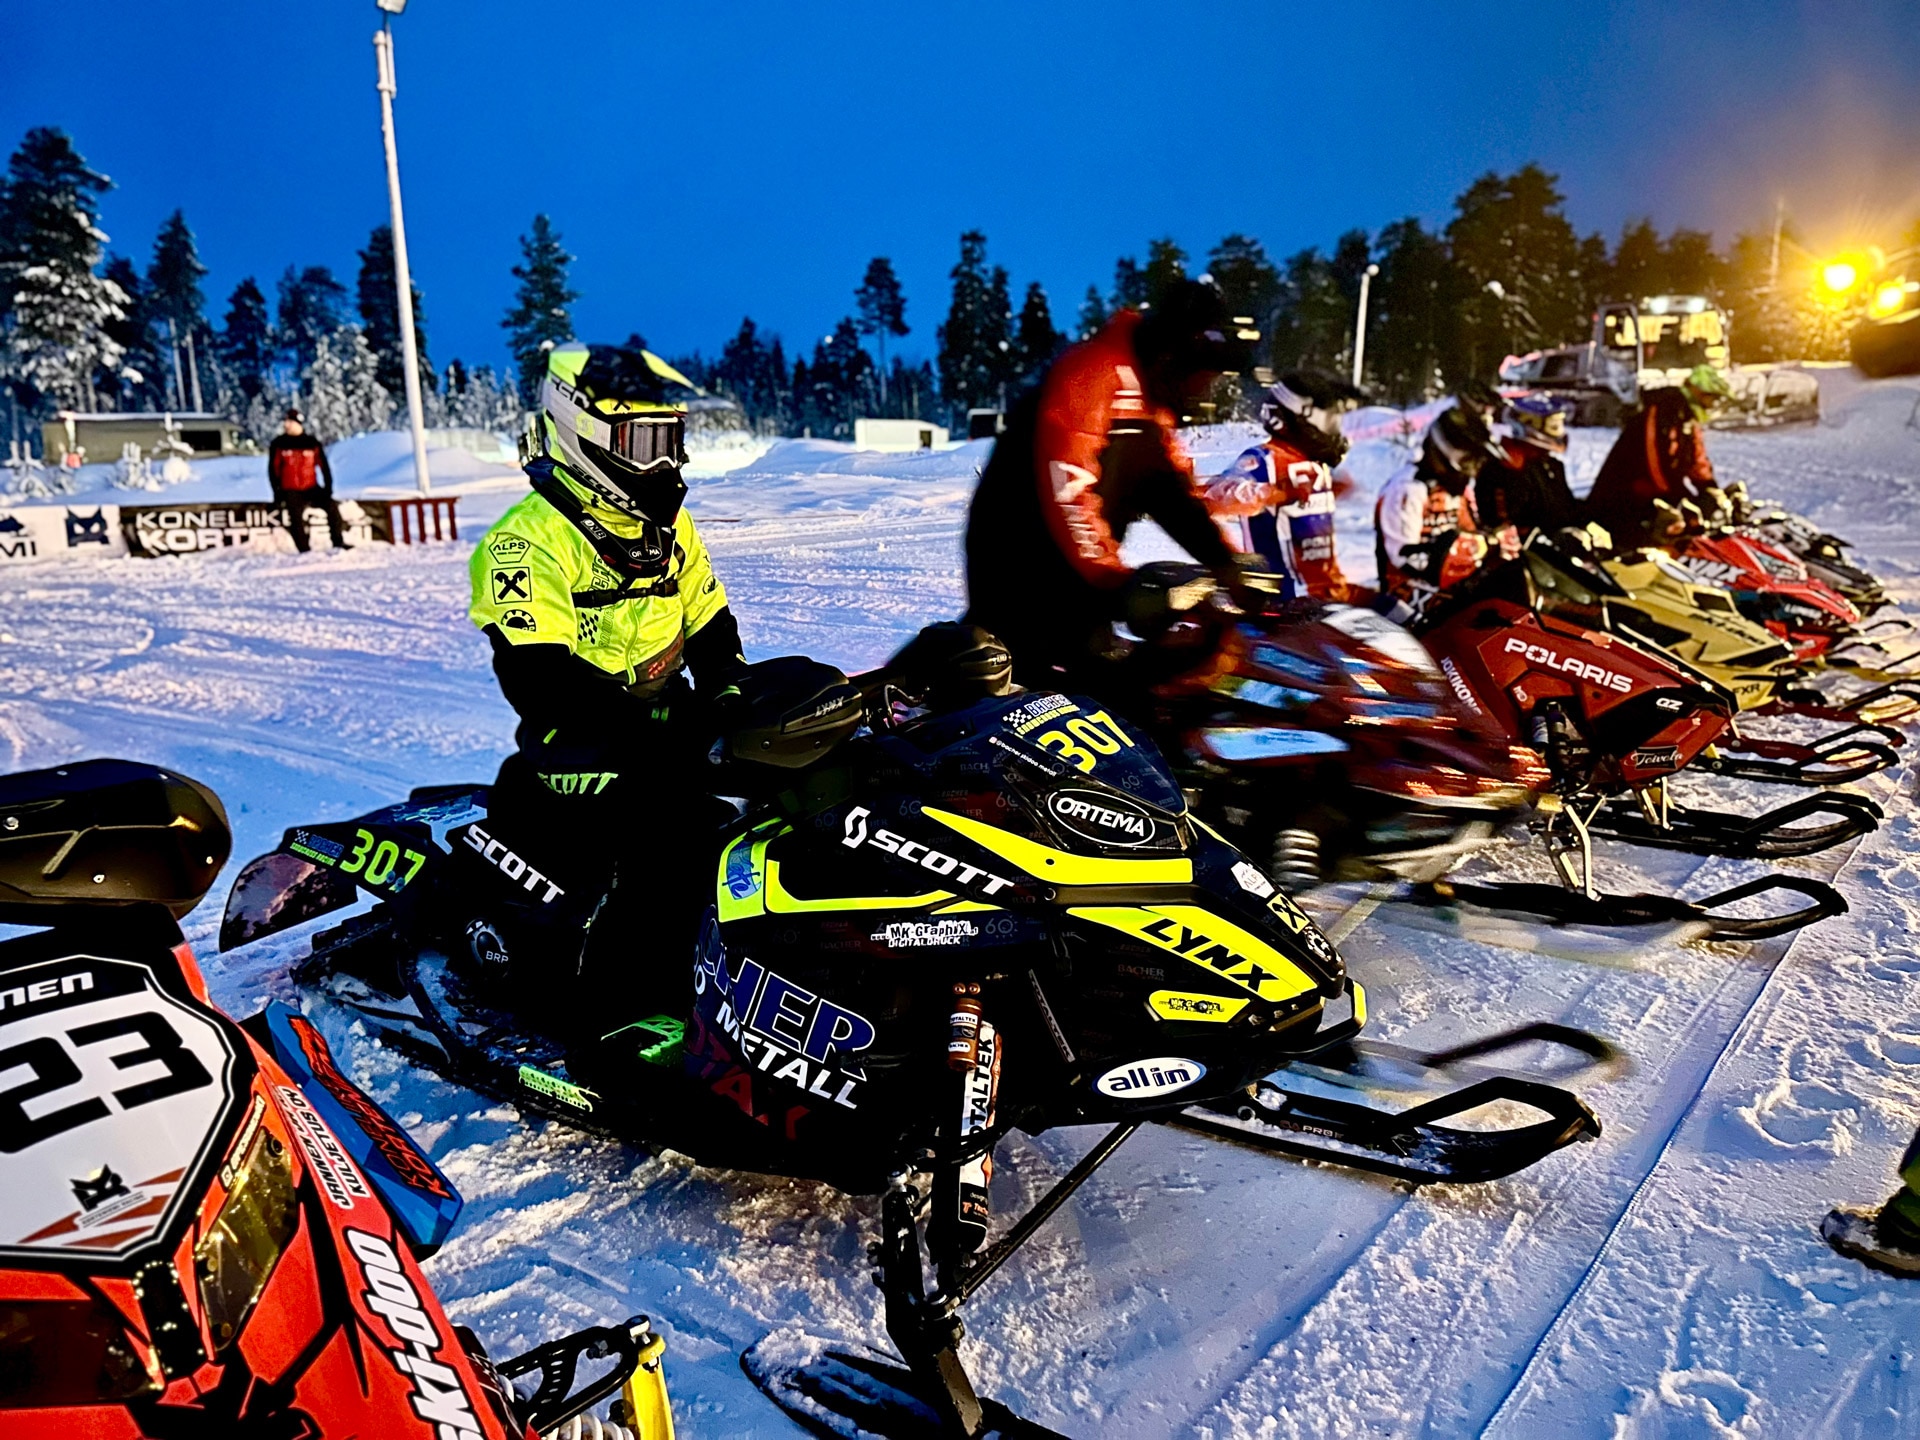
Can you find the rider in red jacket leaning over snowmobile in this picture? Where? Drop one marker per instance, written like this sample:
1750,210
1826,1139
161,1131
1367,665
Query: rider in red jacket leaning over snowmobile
1091,450
1660,462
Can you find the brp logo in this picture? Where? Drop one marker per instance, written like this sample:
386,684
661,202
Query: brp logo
856,835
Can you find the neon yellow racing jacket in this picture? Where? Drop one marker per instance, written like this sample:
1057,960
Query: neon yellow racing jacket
538,582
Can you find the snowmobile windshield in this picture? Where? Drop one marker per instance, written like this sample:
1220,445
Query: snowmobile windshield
1046,737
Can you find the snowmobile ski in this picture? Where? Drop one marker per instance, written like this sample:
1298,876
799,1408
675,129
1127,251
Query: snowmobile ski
1381,1067
1772,836
1861,749
1560,906
1405,1145
842,1389
1895,702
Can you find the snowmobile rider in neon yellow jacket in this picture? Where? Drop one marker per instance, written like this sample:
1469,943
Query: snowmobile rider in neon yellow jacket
597,593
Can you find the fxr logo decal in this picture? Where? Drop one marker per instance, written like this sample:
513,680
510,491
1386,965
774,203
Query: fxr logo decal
856,834
1568,665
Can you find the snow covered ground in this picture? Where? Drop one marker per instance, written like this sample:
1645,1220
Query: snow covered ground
1667,1281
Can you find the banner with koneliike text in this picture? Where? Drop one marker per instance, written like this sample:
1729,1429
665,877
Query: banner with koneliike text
154,530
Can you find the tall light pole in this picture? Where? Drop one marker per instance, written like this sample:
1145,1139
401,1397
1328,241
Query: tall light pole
1360,323
402,277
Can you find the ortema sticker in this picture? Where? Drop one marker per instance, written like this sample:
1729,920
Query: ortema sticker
440,1397
332,1170
1160,1076
1188,1005
116,1097
1567,664
945,866
1107,819
512,866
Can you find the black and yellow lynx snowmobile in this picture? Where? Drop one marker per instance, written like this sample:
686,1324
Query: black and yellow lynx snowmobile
921,937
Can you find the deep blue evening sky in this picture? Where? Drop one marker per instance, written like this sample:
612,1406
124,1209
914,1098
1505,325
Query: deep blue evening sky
709,161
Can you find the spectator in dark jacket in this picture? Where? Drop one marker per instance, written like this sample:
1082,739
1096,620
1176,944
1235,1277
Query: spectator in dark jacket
297,469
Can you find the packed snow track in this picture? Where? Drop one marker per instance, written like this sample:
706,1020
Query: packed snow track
1668,1280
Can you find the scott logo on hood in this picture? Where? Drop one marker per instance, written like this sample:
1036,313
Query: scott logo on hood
943,865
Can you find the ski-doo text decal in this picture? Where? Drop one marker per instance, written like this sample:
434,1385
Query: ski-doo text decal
1161,1075
858,834
116,1093
1567,664
512,866
440,1396
1189,1005
332,1171
1209,941
781,1028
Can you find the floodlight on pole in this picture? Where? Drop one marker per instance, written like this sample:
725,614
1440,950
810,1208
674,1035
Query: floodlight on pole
1360,321
402,275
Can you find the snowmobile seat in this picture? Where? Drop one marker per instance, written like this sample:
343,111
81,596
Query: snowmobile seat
951,665
106,833
792,711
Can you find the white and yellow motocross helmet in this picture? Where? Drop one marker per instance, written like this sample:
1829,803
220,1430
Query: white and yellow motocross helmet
616,417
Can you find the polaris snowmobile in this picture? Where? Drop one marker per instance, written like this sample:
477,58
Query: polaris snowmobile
1614,722
213,1231
1776,589
922,936
1823,555
1661,608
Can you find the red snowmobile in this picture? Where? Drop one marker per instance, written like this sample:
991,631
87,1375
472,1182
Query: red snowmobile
210,1230
1772,587
1614,722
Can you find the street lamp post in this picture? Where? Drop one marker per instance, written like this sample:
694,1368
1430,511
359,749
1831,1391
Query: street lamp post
1360,322
402,277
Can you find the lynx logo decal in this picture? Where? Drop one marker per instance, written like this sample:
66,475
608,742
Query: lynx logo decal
1207,940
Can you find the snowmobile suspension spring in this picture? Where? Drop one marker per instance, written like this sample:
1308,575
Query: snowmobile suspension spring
589,1427
1296,859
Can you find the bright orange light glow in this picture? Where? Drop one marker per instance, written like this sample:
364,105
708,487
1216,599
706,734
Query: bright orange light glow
1840,276
1888,299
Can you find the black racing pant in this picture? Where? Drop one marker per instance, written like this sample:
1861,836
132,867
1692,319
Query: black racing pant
297,502
625,827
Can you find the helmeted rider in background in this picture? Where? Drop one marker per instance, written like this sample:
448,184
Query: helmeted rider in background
1660,463
596,593
1525,488
1088,452
1281,491
1425,539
